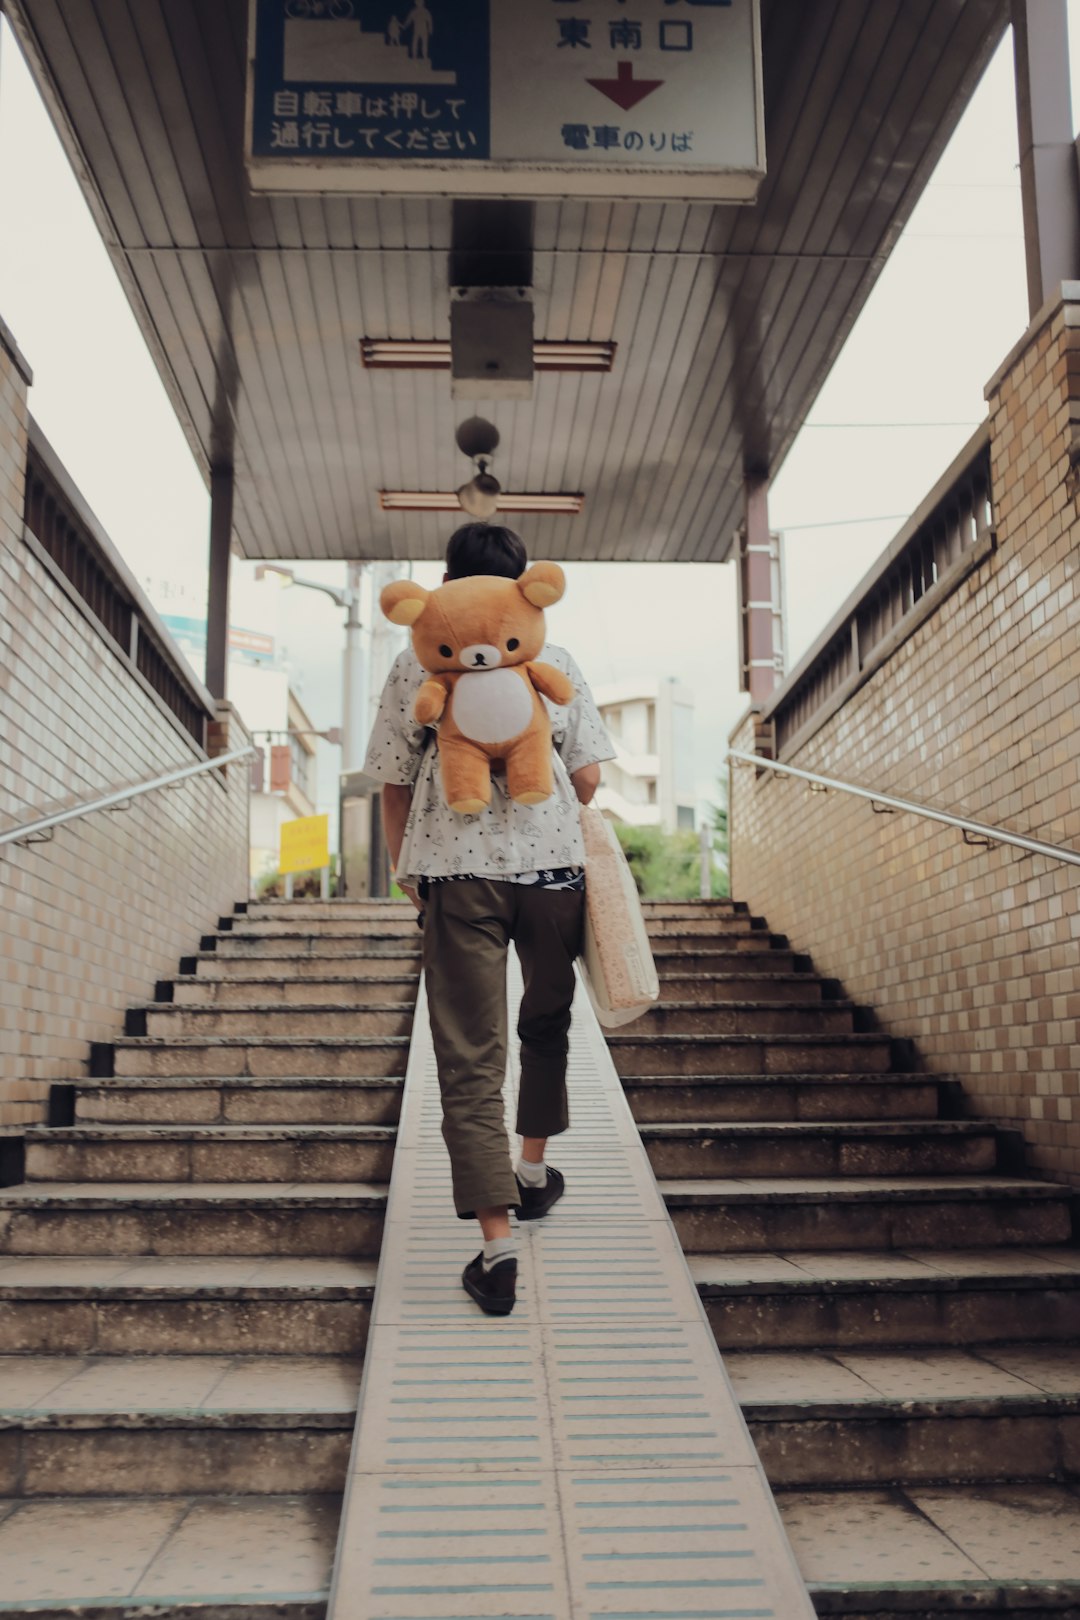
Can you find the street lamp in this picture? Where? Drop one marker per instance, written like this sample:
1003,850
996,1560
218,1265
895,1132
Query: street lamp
352,669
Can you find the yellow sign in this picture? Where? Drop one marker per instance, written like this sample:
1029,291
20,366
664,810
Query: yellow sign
305,844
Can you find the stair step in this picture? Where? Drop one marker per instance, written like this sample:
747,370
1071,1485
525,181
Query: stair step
893,1417
225,1056
109,1306
863,1148
168,1021
241,1100
324,910
750,1054
936,1297
211,967
749,986
127,1218
166,1424
694,908
869,1213
721,928
168,1557
295,946
747,1018
761,946
400,926
936,1551
210,1153
199,990
158,1455
659,1099
699,958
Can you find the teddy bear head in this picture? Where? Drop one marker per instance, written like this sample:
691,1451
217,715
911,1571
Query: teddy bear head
479,623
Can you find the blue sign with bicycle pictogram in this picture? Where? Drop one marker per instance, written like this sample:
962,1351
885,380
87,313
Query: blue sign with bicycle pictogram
371,79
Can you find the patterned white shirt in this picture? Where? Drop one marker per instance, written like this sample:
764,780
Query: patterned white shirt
506,839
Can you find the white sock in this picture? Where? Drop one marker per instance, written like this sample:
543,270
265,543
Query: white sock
531,1175
497,1249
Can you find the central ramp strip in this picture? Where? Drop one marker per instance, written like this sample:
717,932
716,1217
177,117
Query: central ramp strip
585,1457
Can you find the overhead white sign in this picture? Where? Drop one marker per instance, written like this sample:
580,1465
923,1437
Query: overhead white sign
527,98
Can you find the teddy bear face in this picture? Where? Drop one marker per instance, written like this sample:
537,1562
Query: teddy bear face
479,623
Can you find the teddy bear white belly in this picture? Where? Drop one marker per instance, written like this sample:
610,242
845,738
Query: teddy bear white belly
492,706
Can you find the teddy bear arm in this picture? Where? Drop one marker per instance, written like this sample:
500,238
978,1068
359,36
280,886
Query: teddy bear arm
431,700
551,682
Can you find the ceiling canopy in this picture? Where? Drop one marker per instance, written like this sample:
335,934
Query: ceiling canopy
725,320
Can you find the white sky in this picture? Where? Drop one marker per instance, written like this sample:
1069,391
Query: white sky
904,396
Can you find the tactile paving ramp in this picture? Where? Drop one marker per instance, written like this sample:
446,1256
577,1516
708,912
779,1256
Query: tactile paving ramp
584,1457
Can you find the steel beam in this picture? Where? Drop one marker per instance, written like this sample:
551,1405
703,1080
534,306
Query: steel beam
217,605
1049,178
761,611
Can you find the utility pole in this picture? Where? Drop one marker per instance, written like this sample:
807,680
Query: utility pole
354,717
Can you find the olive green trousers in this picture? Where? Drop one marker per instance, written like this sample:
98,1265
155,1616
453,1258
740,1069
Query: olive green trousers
468,928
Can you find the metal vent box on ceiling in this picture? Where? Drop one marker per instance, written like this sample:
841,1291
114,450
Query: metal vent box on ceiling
518,98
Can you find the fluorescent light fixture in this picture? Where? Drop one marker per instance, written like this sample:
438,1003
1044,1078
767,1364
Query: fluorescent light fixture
415,500
408,355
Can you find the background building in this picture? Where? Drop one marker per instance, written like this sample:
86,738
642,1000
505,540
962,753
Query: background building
285,734
650,782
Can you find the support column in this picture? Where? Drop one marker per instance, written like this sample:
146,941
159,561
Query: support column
1049,177
217,606
761,611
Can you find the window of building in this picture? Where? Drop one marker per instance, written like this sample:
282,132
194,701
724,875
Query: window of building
685,815
302,762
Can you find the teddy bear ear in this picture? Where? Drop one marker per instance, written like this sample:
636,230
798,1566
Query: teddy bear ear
542,584
403,601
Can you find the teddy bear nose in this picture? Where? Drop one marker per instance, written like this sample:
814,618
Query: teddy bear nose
481,656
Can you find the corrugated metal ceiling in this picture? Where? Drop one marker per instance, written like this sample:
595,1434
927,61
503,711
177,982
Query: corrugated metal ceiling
727,319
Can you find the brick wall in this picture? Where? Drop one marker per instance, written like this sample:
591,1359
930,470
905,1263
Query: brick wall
90,920
973,952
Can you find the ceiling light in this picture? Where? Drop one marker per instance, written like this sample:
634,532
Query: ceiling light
434,355
480,496
406,500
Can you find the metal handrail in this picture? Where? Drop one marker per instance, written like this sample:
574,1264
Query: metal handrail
32,832
970,829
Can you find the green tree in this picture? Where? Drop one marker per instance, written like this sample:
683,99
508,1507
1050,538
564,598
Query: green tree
666,866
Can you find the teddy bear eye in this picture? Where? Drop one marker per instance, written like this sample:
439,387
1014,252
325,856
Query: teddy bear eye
446,652
513,644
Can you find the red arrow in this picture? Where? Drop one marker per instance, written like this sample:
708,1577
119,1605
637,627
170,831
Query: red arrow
626,91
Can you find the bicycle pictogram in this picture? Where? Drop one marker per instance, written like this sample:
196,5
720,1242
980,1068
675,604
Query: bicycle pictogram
339,10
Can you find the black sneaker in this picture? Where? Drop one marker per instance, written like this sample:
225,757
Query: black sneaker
494,1291
536,1201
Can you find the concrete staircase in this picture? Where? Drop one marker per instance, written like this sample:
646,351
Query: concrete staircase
186,1275
897,1302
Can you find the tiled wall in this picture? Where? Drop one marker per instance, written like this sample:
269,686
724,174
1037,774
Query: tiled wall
974,952
91,919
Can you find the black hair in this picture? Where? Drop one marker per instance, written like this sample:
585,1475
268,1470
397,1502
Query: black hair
485,548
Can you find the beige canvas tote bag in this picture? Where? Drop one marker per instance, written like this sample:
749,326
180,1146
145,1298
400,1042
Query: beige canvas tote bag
617,962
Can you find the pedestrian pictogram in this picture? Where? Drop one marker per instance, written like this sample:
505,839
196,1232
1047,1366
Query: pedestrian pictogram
624,90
